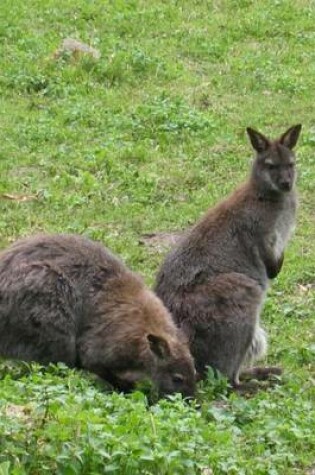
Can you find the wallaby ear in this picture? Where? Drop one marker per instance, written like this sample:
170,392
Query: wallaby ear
259,142
159,346
290,137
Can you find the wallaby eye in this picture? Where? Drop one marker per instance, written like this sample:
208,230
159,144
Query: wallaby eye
271,166
290,165
178,378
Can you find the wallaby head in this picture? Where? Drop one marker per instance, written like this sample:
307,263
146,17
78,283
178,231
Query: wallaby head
168,365
274,167
174,370
144,344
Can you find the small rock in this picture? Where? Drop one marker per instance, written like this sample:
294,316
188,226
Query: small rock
17,411
76,48
207,471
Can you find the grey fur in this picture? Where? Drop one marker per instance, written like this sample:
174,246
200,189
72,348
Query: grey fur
214,282
66,298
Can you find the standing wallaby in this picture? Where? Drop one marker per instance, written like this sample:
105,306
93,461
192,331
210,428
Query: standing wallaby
214,282
66,298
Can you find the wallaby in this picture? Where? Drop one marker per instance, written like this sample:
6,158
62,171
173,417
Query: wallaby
66,298
214,282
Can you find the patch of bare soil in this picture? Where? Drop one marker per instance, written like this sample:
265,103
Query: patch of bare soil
160,240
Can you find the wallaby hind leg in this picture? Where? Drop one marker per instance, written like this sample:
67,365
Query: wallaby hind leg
37,315
255,379
261,373
256,351
219,318
209,348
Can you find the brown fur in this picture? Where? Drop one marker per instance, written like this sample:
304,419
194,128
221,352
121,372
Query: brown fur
214,282
66,298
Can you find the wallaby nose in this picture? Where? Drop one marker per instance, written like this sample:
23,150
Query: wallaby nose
285,185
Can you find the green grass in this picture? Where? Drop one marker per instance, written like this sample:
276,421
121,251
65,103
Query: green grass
145,140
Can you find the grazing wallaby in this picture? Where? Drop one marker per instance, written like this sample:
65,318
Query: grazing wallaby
214,282
66,298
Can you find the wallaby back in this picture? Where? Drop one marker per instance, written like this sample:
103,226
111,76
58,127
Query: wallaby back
214,281
67,298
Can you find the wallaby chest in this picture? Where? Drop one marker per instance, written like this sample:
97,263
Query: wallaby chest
280,231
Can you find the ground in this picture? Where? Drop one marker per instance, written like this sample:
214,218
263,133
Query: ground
130,148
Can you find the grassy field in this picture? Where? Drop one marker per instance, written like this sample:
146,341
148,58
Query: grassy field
143,141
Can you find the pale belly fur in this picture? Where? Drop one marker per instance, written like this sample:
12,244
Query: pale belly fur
279,239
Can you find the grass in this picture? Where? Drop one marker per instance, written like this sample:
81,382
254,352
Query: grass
145,140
